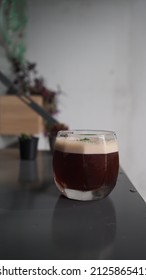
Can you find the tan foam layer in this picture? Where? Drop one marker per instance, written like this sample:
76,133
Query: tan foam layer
95,146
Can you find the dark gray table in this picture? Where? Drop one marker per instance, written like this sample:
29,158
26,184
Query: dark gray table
37,223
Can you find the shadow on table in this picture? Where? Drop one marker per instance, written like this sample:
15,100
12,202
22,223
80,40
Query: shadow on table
83,230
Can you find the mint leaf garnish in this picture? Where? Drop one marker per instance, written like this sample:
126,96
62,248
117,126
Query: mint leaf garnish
85,139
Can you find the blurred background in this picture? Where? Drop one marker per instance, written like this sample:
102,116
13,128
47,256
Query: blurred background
95,50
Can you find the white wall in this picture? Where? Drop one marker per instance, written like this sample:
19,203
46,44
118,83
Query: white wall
96,51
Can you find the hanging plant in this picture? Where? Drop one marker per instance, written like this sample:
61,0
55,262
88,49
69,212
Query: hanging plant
12,24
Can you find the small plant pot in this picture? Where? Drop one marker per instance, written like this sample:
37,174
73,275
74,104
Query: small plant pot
28,148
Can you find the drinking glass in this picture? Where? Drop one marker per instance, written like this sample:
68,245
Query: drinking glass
85,163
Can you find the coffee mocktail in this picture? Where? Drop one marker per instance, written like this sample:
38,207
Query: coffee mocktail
85,164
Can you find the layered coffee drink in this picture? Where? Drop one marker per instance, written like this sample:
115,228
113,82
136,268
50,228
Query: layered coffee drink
85,164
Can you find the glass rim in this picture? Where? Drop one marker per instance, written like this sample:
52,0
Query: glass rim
88,132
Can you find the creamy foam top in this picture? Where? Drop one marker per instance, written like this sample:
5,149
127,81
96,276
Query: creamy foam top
81,146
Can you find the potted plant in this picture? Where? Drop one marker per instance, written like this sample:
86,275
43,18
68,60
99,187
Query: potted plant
28,147
29,82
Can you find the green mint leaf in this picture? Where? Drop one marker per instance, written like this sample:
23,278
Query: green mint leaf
85,139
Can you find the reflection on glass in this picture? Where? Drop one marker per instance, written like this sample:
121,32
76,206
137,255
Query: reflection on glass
83,230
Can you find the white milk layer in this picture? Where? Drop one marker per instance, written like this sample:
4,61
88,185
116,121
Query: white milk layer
81,146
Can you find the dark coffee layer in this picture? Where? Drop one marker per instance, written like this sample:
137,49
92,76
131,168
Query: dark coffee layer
85,172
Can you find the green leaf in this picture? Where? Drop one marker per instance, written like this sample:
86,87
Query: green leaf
24,136
85,139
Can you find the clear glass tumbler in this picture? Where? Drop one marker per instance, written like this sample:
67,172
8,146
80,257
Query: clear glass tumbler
85,163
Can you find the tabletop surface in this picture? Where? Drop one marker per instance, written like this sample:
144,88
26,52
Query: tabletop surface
36,222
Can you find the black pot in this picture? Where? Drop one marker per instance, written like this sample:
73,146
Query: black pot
28,148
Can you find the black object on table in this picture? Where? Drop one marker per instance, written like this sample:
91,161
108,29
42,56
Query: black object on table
36,222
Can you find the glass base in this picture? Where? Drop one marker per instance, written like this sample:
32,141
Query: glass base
95,194
85,196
